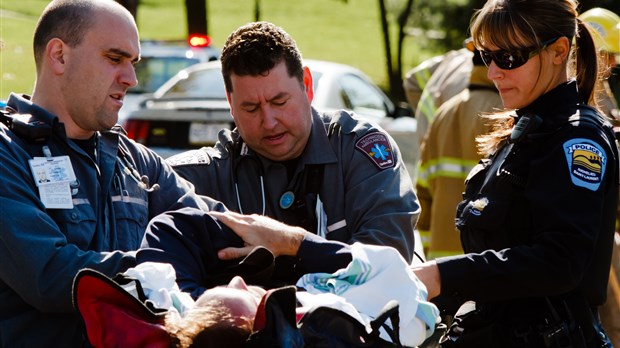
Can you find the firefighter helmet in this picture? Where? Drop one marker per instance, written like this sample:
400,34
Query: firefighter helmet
607,25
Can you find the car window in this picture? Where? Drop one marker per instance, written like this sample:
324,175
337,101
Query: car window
152,72
199,84
360,97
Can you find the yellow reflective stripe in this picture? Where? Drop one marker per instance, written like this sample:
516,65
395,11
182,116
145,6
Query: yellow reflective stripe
427,105
433,254
422,78
447,167
425,236
614,285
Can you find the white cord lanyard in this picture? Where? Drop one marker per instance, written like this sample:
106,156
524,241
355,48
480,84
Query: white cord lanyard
262,191
243,152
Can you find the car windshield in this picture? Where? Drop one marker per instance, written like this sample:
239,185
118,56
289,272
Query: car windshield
152,72
207,84
360,97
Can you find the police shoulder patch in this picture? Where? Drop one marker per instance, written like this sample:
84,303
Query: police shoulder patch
377,147
586,162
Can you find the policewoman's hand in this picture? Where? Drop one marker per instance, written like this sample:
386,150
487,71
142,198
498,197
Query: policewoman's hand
428,273
259,230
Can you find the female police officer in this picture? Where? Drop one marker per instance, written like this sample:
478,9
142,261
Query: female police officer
538,215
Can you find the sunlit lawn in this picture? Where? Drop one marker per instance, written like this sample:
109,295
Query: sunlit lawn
324,29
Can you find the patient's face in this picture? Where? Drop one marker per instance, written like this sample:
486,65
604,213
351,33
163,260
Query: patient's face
241,299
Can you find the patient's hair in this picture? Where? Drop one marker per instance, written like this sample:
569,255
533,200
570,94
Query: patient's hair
208,325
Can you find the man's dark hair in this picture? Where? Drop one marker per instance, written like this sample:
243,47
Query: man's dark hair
256,48
67,20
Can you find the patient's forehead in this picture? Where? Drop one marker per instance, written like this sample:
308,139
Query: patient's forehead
241,300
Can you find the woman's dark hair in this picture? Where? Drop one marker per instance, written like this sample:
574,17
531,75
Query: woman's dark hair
515,24
256,48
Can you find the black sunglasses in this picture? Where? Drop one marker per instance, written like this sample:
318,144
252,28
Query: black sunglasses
508,60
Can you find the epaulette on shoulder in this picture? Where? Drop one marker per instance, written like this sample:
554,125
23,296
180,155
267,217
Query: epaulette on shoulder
192,157
348,122
26,126
587,115
5,117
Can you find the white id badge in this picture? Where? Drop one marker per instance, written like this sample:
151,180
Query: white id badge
53,176
56,195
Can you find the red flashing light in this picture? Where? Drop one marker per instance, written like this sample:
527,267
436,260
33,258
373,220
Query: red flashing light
196,40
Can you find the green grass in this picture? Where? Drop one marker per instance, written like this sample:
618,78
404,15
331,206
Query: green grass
324,29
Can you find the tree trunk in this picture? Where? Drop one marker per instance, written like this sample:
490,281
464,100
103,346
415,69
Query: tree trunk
394,64
388,47
403,17
256,10
131,6
196,17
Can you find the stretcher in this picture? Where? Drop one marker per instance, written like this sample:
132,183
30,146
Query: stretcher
116,317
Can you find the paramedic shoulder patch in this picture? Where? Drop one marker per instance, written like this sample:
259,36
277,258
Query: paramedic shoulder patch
377,147
586,163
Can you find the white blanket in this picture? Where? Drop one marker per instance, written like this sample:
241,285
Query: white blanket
158,280
377,275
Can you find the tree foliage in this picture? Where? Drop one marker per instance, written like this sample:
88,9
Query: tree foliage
438,25
445,23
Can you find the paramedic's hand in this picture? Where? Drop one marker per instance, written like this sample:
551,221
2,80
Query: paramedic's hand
428,273
259,230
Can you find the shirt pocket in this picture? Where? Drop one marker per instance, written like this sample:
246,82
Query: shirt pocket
132,215
78,224
482,223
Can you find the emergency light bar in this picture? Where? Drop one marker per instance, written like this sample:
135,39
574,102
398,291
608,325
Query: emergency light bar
196,40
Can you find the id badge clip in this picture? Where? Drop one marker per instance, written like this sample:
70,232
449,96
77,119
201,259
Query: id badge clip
53,176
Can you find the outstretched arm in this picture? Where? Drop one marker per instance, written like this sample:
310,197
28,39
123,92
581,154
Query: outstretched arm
313,253
259,230
428,273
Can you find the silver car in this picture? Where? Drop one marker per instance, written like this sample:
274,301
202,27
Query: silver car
191,108
160,60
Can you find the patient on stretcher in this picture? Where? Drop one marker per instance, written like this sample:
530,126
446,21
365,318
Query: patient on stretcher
238,315
222,317
181,289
